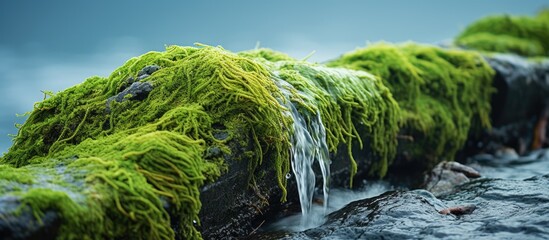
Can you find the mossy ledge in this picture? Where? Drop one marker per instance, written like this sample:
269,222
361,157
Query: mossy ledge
443,93
346,100
126,155
522,35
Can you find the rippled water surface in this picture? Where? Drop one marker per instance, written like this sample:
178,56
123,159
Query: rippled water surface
338,199
509,165
510,201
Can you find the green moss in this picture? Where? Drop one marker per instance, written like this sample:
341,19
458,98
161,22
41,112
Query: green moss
141,151
543,15
117,186
14,174
44,187
267,54
109,168
140,170
521,35
442,92
496,43
41,200
346,101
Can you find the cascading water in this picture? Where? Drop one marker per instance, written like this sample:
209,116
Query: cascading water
308,144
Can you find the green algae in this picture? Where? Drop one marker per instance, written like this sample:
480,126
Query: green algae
443,93
522,35
44,199
266,54
134,157
169,165
140,163
139,152
102,196
50,187
346,101
14,174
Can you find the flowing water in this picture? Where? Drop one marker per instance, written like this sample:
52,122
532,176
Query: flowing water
317,216
308,145
510,201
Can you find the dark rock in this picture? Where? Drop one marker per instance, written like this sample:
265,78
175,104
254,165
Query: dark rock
25,225
134,88
141,77
234,206
148,70
136,91
212,152
220,135
522,88
482,208
519,106
446,176
125,84
129,81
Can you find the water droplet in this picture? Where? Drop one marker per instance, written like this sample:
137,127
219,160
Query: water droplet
194,221
288,176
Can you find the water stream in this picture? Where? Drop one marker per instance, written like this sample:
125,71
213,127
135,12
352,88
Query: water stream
308,145
339,197
511,201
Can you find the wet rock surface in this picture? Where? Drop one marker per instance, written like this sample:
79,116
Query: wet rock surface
509,201
446,176
523,88
19,222
235,207
522,95
520,106
480,209
509,165
25,226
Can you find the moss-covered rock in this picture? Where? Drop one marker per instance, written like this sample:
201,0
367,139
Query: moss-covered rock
443,93
141,148
127,155
522,35
346,100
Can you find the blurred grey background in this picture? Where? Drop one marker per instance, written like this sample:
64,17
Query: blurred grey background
52,45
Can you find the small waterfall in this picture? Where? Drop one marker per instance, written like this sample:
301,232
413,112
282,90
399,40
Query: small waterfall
308,144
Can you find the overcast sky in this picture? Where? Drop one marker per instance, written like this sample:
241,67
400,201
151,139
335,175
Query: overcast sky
52,45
